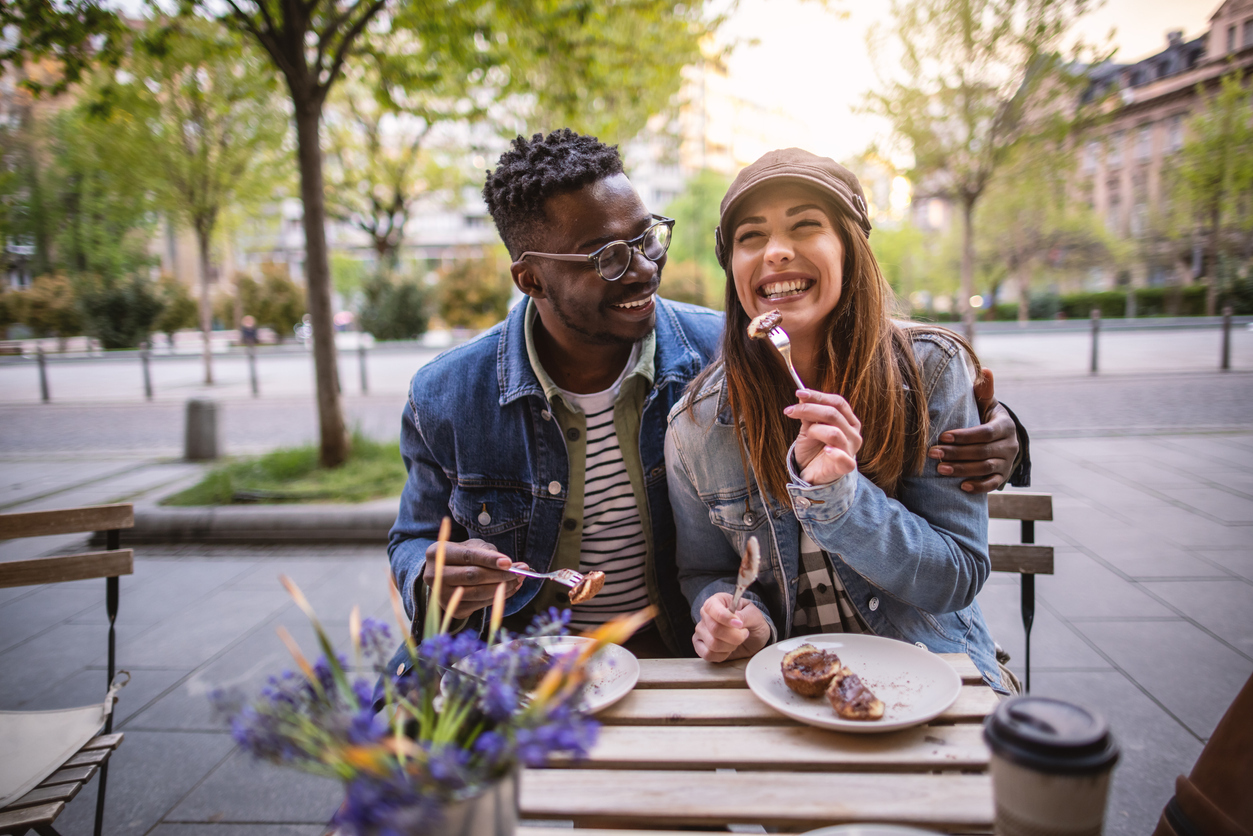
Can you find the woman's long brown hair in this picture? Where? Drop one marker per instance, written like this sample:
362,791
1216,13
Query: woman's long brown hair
865,358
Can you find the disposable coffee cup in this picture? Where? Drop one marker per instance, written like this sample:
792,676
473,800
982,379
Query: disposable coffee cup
1051,762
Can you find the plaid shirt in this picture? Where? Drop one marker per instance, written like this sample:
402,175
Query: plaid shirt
822,603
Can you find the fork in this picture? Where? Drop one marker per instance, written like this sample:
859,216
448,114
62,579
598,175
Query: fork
566,577
783,344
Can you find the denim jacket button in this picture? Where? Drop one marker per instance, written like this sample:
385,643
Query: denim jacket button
485,518
554,488
546,415
873,604
748,518
400,669
920,644
801,503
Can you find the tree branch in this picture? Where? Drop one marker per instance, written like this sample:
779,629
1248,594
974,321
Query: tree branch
345,44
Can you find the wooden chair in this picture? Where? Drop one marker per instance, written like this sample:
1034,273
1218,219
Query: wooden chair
40,807
1025,558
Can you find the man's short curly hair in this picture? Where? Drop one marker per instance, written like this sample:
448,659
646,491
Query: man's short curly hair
536,169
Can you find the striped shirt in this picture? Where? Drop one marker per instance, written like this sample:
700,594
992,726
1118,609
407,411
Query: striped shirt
613,535
822,602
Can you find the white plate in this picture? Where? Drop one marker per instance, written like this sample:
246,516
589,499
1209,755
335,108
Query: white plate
914,684
611,674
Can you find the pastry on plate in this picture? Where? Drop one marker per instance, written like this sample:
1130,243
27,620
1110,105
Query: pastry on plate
808,670
851,699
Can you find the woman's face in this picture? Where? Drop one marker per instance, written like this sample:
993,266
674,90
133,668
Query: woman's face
786,254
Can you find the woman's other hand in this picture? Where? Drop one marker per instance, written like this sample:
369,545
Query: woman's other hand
830,436
722,635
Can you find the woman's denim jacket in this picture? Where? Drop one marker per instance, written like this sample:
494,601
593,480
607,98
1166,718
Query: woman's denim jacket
912,565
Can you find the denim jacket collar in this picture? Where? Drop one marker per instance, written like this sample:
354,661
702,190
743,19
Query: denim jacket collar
675,358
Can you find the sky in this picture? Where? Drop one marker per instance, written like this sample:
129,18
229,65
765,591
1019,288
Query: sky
815,66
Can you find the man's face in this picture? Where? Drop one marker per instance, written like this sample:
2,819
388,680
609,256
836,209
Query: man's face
576,304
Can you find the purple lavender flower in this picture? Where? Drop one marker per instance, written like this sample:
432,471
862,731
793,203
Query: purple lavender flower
376,639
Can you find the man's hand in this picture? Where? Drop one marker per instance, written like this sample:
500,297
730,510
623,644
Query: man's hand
826,447
477,568
722,635
983,456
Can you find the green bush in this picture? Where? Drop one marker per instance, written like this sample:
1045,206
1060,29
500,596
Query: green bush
178,309
474,292
119,312
394,307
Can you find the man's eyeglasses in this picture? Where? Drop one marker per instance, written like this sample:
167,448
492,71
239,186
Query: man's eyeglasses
614,259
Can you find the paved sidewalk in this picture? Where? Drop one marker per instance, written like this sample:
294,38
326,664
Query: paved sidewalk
1148,619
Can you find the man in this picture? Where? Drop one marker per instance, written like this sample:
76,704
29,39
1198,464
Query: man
543,438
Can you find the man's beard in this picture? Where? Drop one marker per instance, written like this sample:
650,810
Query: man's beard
593,337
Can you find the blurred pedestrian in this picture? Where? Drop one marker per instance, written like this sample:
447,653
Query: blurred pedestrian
248,331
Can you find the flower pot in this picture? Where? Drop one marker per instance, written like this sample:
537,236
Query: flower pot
492,812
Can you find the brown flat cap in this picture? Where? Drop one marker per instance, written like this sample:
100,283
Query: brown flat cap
794,165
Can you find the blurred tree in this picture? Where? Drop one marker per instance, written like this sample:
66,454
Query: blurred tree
8,310
348,273
49,308
178,309
198,107
119,310
275,301
1029,222
92,212
1212,180
976,76
695,212
902,255
474,290
687,281
558,62
394,306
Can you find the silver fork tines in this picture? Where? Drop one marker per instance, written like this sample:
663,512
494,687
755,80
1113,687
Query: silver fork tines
783,344
566,577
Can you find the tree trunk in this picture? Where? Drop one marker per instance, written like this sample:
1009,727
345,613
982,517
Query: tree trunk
206,307
1023,279
968,267
334,433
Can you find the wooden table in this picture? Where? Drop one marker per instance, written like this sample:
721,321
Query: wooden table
692,746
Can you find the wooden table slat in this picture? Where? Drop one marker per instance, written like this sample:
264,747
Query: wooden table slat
694,673
72,775
70,567
67,520
787,749
622,798
104,741
739,707
20,821
46,795
95,756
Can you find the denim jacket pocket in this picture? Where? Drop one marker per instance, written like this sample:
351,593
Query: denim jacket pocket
735,515
490,511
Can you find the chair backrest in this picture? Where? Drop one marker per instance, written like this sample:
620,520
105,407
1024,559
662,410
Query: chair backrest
1025,557
72,567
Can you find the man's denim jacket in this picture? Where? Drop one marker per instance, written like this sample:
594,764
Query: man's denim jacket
912,565
481,447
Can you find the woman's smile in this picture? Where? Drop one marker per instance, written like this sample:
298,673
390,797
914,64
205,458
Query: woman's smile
787,286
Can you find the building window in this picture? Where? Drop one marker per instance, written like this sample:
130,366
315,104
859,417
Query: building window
1144,143
1231,38
1112,222
1174,133
1248,33
1114,160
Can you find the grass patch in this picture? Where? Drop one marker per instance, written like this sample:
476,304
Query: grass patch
292,474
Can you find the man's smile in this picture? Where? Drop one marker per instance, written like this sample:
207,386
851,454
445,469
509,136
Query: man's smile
636,305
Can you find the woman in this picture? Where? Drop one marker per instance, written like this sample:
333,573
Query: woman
858,531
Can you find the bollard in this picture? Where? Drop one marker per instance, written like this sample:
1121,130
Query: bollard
1096,330
1130,311
200,441
252,369
143,358
1225,364
43,373
361,356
